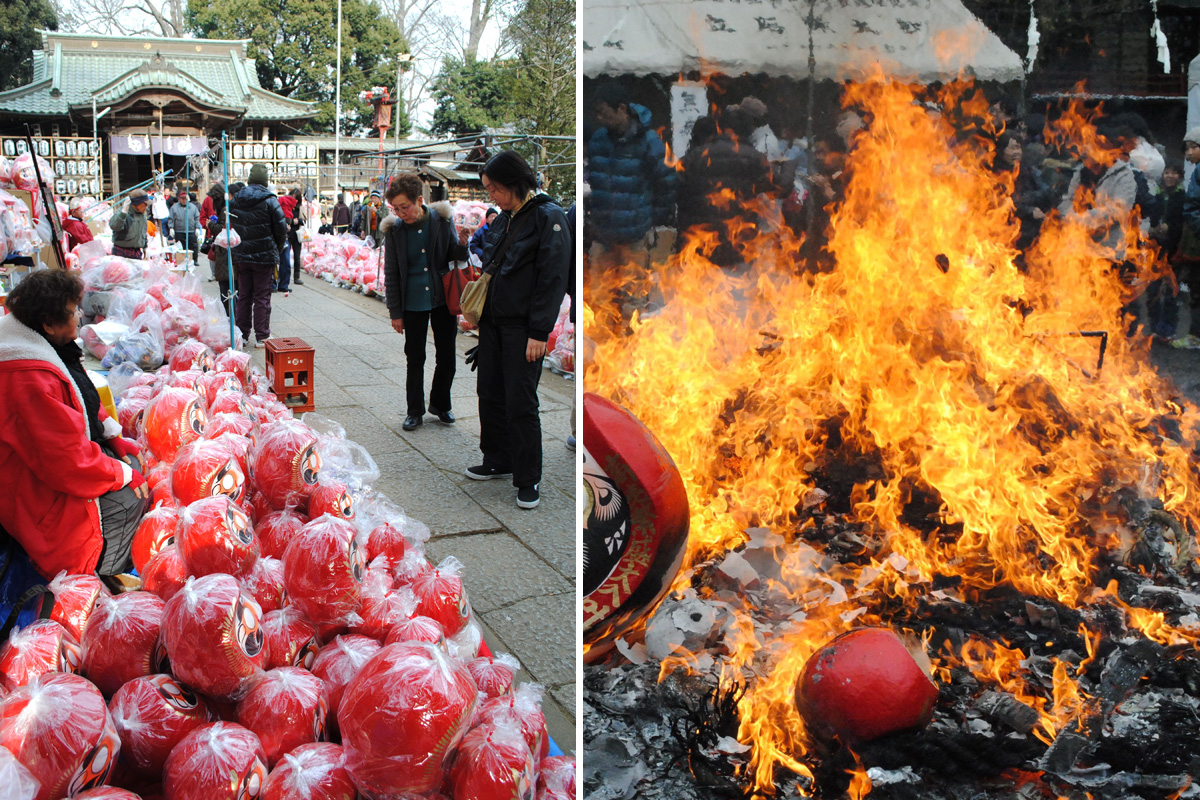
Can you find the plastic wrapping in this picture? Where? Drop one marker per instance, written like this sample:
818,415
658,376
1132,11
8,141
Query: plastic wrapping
347,462
16,781
310,772
192,354
125,376
121,639
442,596
39,648
100,336
493,763
107,793
411,566
286,462
264,582
213,635
276,531
556,778
494,674
525,705
152,714
216,382
386,540
465,644
323,569
291,640
172,419
219,761
215,536
338,663
402,717
129,414
180,322
165,573
75,598
59,728
156,530
286,708
143,347
331,498
204,468
228,401
382,609
236,362
417,629
189,379
219,424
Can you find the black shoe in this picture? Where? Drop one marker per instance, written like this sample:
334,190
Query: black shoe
411,423
482,473
444,416
297,282
528,497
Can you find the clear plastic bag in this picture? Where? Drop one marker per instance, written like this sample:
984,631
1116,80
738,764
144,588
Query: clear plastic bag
338,663
291,640
75,598
152,714
215,535
286,708
525,705
16,781
121,638
494,674
143,346
264,582
310,772
556,778
42,647
165,574
287,463
343,460
123,376
219,761
441,595
323,569
493,763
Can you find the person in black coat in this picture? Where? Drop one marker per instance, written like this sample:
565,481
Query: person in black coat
528,255
255,213
419,244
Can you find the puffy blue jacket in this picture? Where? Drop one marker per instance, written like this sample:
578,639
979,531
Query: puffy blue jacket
633,188
1191,204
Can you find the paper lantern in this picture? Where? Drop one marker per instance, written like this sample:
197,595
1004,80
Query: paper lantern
286,708
323,570
39,648
493,763
171,420
156,531
310,772
290,639
213,636
215,536
120,642
206,468
219,761
165,573
441,595
286,464
152,714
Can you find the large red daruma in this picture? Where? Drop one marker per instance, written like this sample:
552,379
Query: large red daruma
152,714
39,648
402,716
493,763
290,639
59,728
337,664
635,523
310,772
171,420
75,598
215,536
165,573
156,531
286,708
121,638
286,463
207,468
219,761
441,596
192,354
213,636
323,570
863,685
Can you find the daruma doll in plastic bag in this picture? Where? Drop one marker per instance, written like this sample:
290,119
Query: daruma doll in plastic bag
556,778
206,468
171,420
323,570
219,761
75,597
264,582
524,705
276,531
156,531
107,793
215,536
493,763
402,716
338,663
165,573
152,714
494,674
333,499
286,708
291,640
424,630
59,728
35,650
286,463
192,354
442,596
236,362
121,638
310,772
213,635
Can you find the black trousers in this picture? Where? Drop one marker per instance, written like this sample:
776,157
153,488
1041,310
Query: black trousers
416,329
120,514
510,429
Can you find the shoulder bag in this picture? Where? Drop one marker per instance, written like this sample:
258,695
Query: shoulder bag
474,294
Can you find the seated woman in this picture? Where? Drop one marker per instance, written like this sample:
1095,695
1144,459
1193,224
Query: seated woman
74,495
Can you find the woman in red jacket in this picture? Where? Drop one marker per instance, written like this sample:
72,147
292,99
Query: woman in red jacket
75,496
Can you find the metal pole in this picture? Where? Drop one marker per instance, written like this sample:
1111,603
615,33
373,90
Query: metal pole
337,118
228,250
399,97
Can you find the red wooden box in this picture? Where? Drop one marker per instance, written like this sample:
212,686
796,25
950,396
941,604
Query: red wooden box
290,372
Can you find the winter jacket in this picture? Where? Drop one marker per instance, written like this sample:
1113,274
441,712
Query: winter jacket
129,229
475,245
185,220
341,215
77,230
1191,205
395,255
528,285
721,164
47,458
633,188
258,219
288,204
1115,193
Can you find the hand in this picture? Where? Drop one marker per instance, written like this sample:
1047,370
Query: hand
464,236
534,350
138,484
124,448
398,325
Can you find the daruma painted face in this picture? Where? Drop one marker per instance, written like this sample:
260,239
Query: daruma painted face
287,463
172,419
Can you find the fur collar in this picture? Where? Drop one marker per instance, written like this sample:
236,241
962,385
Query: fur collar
442,208
21,343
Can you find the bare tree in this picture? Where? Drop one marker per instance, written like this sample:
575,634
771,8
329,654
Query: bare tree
123,17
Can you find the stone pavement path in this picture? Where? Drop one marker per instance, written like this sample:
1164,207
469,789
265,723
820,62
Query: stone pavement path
519,565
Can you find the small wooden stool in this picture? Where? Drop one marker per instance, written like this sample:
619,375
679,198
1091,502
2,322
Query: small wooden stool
290,372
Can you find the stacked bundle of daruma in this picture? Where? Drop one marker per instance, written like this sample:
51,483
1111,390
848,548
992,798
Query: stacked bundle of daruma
290,641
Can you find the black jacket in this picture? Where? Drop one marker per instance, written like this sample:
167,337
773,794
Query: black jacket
257,217
395,256
528,285
721,164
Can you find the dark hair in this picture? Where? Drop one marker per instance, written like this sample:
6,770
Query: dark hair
612,95
296,193
833,143
508,169
738,121
42,297
1173,167
704,130
1008,106
491,210
236,187
407,184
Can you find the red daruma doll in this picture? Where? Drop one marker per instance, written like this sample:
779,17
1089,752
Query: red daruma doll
35,650
59,728
310,772
286,708
206,468
220,761
441,596
171,420
213,635
403,716
493,763
286,462
120,640
215,536
152,714
323,570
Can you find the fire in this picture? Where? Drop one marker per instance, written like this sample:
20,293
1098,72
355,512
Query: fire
952,401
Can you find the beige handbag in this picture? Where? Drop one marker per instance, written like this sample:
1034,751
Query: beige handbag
474,294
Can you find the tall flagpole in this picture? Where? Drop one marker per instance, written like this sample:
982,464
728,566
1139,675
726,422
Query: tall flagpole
337,119
233,341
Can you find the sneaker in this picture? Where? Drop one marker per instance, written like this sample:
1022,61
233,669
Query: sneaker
571,443
244,345
1189,342
261,343
482,473
528,497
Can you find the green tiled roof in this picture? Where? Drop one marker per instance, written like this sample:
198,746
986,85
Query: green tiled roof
71,68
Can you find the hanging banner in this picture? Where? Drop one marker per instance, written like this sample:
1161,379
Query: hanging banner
140,144
689,102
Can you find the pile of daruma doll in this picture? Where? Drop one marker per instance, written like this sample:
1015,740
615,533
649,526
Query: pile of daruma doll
290,640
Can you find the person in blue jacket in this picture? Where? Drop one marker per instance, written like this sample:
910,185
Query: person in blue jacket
475,245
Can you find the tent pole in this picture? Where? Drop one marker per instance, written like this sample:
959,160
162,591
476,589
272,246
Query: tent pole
809,210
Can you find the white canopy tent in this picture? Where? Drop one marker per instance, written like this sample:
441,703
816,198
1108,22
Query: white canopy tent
922,40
